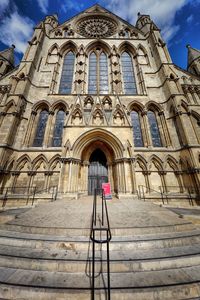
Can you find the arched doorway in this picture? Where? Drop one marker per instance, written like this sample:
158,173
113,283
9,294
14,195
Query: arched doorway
98,170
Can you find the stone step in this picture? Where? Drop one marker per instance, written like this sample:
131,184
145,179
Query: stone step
122,244
119,281
184,226
177,292
71,238
122,255
75,265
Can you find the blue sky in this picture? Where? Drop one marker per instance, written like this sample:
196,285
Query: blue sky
178,20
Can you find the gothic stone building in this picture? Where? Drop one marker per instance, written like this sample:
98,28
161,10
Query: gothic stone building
97,99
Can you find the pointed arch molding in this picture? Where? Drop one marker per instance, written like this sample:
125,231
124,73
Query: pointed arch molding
95,135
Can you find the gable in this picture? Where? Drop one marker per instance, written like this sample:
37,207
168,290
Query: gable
96,22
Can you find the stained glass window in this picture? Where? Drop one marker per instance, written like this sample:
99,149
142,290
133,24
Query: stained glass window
67,74
137,132
41,126
128,74
98,73
103,74
58,129
155,135
92,87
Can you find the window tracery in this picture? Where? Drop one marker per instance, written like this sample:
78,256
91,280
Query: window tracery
154,130
58,129
40,131
98,73
67,73
137,131
128,74
96,27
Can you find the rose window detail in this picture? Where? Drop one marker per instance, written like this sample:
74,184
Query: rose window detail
96,27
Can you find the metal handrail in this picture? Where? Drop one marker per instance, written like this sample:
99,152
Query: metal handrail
184,191
29,192
54,192
166,194
141,192
104,227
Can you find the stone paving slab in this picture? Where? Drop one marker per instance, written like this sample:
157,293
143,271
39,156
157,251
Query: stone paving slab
77,214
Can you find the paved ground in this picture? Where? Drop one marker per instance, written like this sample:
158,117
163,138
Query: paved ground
77,214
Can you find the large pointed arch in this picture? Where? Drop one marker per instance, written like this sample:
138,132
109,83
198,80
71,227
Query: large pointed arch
97,135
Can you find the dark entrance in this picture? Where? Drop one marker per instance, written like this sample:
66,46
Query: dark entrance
98,171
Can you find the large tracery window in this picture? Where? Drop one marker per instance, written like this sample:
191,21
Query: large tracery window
58,129
40,131
153,125
98,73
128,74
137,132
67,74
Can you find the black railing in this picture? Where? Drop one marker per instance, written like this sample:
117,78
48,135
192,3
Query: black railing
100,234
26,193
145,193
167,193
52,191
189,193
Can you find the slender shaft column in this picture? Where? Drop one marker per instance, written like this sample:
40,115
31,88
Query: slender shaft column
133,177
163,180
48,129
165,129
85,176
110,176
147,140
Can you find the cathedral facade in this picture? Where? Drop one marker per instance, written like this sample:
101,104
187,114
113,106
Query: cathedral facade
94,100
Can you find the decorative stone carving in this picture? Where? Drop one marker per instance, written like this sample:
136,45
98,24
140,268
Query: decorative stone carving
5,88
96,27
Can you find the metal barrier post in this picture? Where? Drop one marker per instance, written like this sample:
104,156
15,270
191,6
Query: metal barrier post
34,192
108,266
93,265
5,198
102,212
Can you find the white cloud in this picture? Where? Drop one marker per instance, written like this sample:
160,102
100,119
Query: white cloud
43,4
16,30
3,6
190,19
162,12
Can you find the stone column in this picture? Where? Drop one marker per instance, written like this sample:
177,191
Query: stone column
133,179
31,174
110,176
146,177
163,180
29,134
85,166
180,180
147,139
116,82
165,129
47,141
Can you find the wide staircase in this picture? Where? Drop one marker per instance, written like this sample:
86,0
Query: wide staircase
46,252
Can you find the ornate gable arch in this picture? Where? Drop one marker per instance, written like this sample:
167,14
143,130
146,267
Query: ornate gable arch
135,105
39,160
20,163
102,45
97,135
152,105
127,47
156,161
53,49
42,104
66,47
59,104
